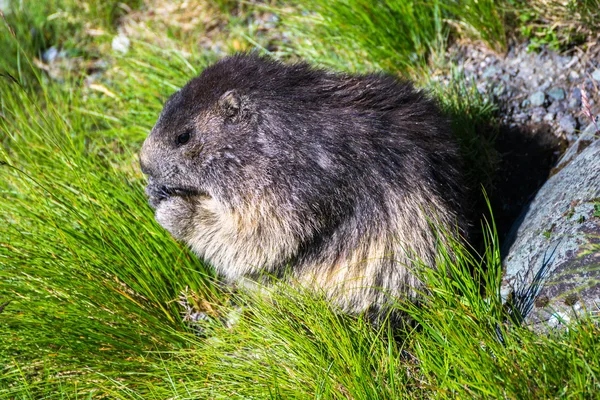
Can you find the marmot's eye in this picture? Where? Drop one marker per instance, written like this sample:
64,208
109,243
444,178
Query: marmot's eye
184,137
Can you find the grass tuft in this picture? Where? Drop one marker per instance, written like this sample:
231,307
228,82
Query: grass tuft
395,36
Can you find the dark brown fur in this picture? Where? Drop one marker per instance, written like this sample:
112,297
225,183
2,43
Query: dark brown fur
330,180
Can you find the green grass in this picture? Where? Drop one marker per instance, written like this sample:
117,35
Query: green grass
94,283
63,24
396,36
90,275
558,25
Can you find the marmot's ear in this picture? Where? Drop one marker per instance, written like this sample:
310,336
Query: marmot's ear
230,104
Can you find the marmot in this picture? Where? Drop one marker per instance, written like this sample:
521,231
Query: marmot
328,179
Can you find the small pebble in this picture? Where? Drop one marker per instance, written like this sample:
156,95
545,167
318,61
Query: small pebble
549,117
573,61
521,117
120,44
568,124
490,71
573,76
556,107
596,74
50,55
544,86
556,93
537,99
538,115
575,99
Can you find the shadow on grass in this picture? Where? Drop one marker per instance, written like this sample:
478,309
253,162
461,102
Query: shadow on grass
527,155
510,163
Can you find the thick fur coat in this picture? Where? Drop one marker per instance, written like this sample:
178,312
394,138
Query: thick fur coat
329,180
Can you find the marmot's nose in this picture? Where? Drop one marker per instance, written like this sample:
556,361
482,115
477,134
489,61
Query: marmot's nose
144,161
144,166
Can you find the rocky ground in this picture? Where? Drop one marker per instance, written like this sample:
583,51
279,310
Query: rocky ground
558,91
545,101
547,213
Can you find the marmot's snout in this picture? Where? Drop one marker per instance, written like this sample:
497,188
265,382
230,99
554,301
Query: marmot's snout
146,164
155,191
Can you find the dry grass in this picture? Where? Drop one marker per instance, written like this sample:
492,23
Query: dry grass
559,24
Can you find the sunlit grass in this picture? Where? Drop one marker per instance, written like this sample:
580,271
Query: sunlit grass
396,36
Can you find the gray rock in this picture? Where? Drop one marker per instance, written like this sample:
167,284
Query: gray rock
596,74
525,103
50,55
556,93
549,117
575,98
121,43
537,99
567,124
551,273
490,72
557,107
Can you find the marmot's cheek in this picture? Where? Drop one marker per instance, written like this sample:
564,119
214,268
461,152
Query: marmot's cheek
174,214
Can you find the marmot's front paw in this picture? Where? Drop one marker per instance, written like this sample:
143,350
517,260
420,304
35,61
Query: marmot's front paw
175,214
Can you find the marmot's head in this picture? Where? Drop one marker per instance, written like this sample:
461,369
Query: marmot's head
203,145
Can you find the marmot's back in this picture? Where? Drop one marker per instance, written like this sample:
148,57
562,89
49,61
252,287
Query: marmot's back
330,179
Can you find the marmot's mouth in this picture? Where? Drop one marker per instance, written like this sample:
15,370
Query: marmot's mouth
158,193
180,191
